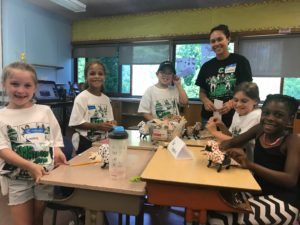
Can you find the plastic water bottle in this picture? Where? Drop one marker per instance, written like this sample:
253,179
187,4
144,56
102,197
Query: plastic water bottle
117,152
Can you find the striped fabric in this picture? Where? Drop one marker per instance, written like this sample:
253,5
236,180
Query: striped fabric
268,210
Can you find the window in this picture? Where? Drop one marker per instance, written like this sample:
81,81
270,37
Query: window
189,58
143,76
80,70
291,87
264,86
274,60
111,67
139,63
131,68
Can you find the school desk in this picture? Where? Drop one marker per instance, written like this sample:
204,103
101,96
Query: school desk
96,192
135,142
191,184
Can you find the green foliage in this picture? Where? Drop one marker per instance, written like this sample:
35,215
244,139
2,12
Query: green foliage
80,69
291,87
125,79
111,76
188,82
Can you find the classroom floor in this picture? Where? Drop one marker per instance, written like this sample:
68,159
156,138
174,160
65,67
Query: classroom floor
154,215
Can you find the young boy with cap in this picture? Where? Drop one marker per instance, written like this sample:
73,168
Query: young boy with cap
162,99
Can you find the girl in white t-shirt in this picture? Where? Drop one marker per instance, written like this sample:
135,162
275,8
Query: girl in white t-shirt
30,141
245,100
92,114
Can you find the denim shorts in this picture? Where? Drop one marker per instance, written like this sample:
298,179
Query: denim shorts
21,191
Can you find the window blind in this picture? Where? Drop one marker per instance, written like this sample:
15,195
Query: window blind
144,54
272,56
95,51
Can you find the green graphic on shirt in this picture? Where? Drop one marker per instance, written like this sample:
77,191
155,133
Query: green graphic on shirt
221,85
32,144
165,107
236,131
98,115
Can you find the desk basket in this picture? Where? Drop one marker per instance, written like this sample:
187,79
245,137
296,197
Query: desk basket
166,130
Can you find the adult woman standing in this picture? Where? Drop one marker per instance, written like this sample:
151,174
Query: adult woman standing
219,76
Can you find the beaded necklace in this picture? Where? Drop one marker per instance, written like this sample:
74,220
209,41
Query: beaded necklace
276,142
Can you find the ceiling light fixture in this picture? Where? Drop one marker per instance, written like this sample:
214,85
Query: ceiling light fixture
73,5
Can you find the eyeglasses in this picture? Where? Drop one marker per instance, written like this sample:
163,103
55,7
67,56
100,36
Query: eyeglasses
166,73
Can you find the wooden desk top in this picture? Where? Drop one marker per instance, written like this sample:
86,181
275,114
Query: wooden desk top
135,142
92,177
163,167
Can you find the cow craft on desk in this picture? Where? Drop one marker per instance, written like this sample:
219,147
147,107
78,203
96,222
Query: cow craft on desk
104,153
192,131
217,157
143,129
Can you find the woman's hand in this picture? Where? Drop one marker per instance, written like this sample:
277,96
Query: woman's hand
208,105
59,157
227,106
240,156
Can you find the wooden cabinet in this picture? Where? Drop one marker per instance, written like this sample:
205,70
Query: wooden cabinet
116,107
296,127
192,113
125,112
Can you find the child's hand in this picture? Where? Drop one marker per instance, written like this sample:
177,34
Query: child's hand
211,125
106,126
37,171
216,121
59,157
113,122
176,80
239,155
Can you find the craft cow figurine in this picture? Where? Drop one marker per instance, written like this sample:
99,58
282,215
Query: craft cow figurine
104,153
143,129
192,131
217,157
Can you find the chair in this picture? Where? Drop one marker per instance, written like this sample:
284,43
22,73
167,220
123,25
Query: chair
75,140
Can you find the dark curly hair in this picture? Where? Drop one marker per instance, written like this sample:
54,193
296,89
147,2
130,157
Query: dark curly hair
290,102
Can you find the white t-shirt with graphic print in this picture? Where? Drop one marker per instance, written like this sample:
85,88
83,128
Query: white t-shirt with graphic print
89,108
160,101
32,133
240,124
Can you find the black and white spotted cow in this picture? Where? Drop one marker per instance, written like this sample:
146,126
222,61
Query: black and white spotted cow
143,129
217,157
104,153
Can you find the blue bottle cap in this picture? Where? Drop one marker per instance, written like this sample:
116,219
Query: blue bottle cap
118,132
118,129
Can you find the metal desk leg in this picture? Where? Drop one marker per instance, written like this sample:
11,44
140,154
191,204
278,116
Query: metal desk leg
93,217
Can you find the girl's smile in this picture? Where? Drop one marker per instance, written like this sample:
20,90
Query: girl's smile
20,88
95,78
243,104
275,118
165,77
